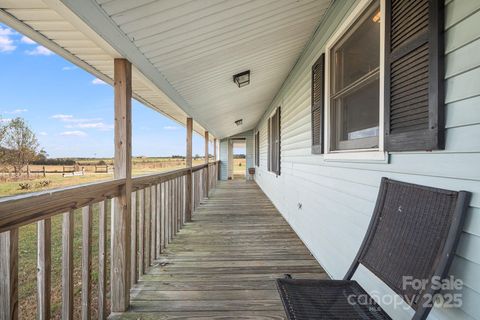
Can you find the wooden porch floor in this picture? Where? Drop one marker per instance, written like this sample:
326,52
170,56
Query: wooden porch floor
223,264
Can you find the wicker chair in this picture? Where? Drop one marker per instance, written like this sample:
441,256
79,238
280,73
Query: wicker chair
413,232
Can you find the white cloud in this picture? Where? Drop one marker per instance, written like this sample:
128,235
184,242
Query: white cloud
62,117
5,120
91,125
76,133
27,40
16,111
171,128
82,123
98,81
6,43
43,133
39,51
6,31
68,68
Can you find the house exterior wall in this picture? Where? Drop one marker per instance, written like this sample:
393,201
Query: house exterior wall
226,153
338,197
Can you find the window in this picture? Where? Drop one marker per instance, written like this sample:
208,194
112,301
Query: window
354,115
257,149
274,142
379,85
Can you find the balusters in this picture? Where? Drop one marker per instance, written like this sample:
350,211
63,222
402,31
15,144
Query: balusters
141,232
182,200
147,225
158,220
133,241
160,208
175,206
86,261
44,240
153,225
9,275
102,260
171,208
67,265
163,215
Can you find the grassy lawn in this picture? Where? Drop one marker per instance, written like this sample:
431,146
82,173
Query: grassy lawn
28,240
239,166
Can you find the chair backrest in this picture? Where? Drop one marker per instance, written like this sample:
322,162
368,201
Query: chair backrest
413,233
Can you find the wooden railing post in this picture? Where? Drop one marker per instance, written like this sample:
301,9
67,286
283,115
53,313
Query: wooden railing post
188,177
9,275
206,168
120,255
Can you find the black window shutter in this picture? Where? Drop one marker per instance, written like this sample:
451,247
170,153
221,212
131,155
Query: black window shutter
273,165
269,139
318,75
414,72
257,149
277,141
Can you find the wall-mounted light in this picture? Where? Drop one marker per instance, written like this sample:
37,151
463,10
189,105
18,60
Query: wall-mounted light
376,17
239,122
242,79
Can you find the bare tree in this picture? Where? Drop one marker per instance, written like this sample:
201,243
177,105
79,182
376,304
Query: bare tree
3,129
19,145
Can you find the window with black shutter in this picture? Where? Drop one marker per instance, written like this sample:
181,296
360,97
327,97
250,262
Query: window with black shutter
354,84
318,70
414,93
257,149
274,142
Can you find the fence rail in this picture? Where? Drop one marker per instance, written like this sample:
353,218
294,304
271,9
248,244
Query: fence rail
159,209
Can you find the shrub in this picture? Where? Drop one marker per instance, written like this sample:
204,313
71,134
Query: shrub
43,183
24,186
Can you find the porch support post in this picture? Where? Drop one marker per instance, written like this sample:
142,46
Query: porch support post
188,177
120,269
206,161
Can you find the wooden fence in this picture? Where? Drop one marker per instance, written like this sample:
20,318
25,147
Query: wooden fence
160,208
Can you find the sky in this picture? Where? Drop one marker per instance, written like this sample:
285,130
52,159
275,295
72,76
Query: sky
70,110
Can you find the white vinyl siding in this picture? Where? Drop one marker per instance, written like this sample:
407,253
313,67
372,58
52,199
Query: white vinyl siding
338,197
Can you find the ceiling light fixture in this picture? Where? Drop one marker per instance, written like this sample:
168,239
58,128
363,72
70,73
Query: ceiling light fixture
242,79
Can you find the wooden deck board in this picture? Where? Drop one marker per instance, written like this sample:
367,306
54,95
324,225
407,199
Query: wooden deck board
224,263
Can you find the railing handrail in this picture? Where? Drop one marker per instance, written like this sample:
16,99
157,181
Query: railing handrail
19,210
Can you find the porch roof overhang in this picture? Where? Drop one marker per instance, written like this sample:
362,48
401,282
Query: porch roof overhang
184,52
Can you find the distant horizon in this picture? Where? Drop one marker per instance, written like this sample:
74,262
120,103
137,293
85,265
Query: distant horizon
70,111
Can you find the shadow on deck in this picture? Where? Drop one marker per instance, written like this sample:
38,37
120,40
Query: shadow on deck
224,264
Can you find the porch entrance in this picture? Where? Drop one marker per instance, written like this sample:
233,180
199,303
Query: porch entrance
239,163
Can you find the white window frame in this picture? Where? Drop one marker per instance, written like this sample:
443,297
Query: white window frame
376,154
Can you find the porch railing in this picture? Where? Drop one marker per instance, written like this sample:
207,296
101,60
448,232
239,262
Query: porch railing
159,210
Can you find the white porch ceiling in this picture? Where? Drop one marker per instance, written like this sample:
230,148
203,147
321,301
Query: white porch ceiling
199,45
189,49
